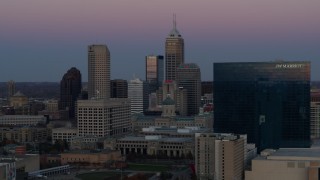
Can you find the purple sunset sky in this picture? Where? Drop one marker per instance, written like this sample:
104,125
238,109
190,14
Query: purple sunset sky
40,40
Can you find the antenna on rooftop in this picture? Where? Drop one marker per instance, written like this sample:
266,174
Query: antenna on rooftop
174,21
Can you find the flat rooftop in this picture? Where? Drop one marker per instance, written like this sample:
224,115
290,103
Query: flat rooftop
161,139
297,154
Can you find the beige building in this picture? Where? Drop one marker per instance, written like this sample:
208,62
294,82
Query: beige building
98,72
219,156
153,145
282,164
52,105
315,120
203,120
63,134
24,134
18,100
90,158
103,117
22,120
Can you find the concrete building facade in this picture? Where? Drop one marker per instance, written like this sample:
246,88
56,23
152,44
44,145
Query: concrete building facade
24,134
22,120
103,118
219,156
315,114
141,121
64,134
189,78
98,72
138,95
153,145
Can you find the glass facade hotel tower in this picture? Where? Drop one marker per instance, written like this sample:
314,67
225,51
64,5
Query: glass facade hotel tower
268,101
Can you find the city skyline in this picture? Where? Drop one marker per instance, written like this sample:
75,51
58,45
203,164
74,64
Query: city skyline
42,40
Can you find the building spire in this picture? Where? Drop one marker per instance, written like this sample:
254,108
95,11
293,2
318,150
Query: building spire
174,21
174,32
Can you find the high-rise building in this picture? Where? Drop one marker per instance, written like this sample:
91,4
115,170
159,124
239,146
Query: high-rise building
219,156
70,89
98,72
315,114
189,78
154,72
268,101
103,118
11,88
138,95
174,52
119,88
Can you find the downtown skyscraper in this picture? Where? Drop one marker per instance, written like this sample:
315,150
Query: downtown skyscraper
70,89
189,78
101,115
268,101
174,52
154,72
98,72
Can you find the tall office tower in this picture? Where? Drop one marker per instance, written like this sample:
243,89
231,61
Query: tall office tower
70,89
315,114
103,118
138,95
269,101
189,78
154,72
219,156
174,51
98,72
11,88
119,88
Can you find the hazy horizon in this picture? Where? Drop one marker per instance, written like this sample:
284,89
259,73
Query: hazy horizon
41,40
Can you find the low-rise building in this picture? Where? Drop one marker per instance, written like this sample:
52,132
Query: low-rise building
188,132
24,134
153,145
219,156
22,120
203,120
7,169
84,142
24,163
287,163
90,157
64,134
